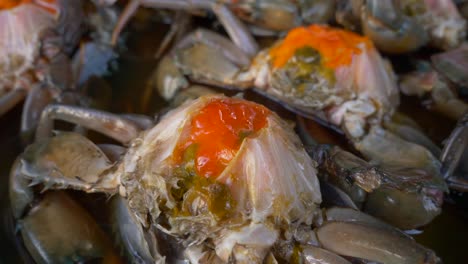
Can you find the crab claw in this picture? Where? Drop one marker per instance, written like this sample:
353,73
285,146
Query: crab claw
68,160
390,30
48,227
369,242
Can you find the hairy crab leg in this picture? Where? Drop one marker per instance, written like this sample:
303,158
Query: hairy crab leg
452,155
114,126
10,99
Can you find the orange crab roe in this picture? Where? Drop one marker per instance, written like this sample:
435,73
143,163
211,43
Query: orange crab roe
336,46
49,5
7,4
215,134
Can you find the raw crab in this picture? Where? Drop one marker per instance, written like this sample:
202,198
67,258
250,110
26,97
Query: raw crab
221,179
331,75
35,37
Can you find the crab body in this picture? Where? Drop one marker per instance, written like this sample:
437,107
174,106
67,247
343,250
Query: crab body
36,37
26,29
318,67
323,73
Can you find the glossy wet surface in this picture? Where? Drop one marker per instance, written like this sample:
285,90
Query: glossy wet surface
447,234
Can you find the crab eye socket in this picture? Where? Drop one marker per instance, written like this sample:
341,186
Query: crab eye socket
215,134
336,46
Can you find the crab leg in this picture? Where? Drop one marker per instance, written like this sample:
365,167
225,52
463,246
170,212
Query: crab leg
339,214
452,155
429,81
180,25
12,98
227,60
235,28
389,29
114,126
143,122
133,5
127,13
68,160
20,193
36,100
139,246
372,243
113,152
49,226
211,39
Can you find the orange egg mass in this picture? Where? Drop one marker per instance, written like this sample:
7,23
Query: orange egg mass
336,46
49,5
7,4
217,131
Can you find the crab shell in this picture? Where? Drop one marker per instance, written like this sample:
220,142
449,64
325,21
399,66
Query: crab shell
24,28
271,177
364,88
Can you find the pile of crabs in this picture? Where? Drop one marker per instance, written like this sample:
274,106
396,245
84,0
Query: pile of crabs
221,179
